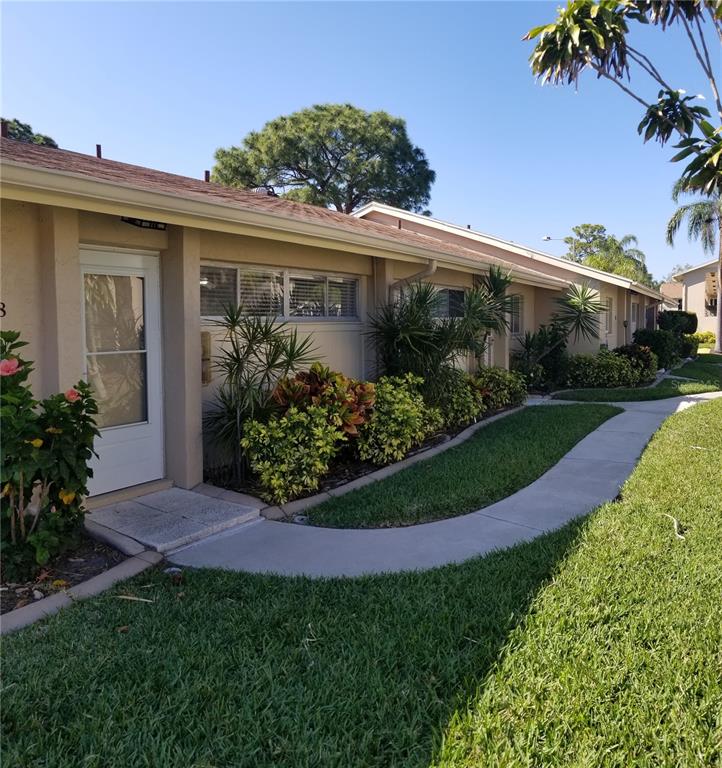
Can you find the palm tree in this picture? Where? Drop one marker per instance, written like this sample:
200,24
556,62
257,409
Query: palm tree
704,223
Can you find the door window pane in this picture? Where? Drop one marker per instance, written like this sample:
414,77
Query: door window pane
218,290
114,318
307,296
120,387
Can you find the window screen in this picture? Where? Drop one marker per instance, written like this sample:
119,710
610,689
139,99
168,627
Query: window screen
517,315
342,297
451,302
218,290
261,293
307,296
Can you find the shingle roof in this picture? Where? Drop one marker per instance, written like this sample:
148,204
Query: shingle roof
138,177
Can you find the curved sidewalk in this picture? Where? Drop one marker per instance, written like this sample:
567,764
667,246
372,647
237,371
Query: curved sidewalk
590,474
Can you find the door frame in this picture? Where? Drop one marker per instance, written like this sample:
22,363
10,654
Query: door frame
146,264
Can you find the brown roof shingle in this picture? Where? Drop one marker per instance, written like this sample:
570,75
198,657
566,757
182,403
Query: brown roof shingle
138,177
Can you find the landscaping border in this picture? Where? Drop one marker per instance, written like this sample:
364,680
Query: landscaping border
291,508
29,614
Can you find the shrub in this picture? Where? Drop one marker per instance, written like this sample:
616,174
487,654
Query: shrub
677,321
45,451
256,353
605,369
702,337
643,360
347,401
542,357
400,419
664,344
500,388
291,453
688,347
462,401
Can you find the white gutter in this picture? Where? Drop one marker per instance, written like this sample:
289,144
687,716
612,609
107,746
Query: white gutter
428,272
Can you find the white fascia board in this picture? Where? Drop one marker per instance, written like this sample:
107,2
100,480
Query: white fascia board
531,253
706,265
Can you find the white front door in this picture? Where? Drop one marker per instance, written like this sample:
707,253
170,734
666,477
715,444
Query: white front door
121,341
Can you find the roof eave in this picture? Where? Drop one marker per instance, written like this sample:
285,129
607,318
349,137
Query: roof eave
20,175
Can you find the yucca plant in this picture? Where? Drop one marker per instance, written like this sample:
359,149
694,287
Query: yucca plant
577,316
410,337
255,353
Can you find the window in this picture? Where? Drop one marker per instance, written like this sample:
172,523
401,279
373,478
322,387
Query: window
218,289
277,293
451,302
516,320
608,314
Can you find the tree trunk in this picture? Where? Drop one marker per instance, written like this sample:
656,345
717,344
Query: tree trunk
718,330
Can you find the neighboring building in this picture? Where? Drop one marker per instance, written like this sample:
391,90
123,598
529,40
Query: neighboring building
672,293
631,305
699,293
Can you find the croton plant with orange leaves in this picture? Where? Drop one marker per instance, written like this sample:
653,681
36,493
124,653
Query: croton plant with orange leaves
348,401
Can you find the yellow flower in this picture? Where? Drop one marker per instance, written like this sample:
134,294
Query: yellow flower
7,490
66,496
36,443
54,431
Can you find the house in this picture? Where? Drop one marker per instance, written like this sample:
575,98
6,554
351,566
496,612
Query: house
630,305
115,273
699,293
672,293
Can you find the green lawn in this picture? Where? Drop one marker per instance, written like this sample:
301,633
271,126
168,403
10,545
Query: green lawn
666,388
497,461
596,645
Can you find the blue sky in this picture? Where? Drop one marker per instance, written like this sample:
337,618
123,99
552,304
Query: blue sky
164,84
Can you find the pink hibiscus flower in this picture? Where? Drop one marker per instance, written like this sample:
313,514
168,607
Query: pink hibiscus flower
9,366
72,395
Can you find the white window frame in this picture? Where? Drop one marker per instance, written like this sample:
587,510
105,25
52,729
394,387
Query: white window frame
286,274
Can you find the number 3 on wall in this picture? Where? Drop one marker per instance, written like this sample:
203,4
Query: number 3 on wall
2,309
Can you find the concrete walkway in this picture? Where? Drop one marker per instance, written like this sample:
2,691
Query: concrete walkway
590,474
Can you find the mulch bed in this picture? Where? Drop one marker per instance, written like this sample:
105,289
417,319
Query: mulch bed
79,564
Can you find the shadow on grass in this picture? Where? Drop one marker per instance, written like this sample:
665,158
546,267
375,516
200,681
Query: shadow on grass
233,669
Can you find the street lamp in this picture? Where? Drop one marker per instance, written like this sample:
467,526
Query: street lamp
548,238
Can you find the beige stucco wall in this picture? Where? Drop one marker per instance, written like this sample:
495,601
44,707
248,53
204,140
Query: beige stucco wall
693,298
20,278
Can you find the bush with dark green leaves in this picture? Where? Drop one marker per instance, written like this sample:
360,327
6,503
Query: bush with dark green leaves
677,321
664,344
462,402
501,388
643,360
605,369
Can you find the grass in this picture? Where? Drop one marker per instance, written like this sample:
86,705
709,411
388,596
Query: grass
705,372
666,388
498,460
595,645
